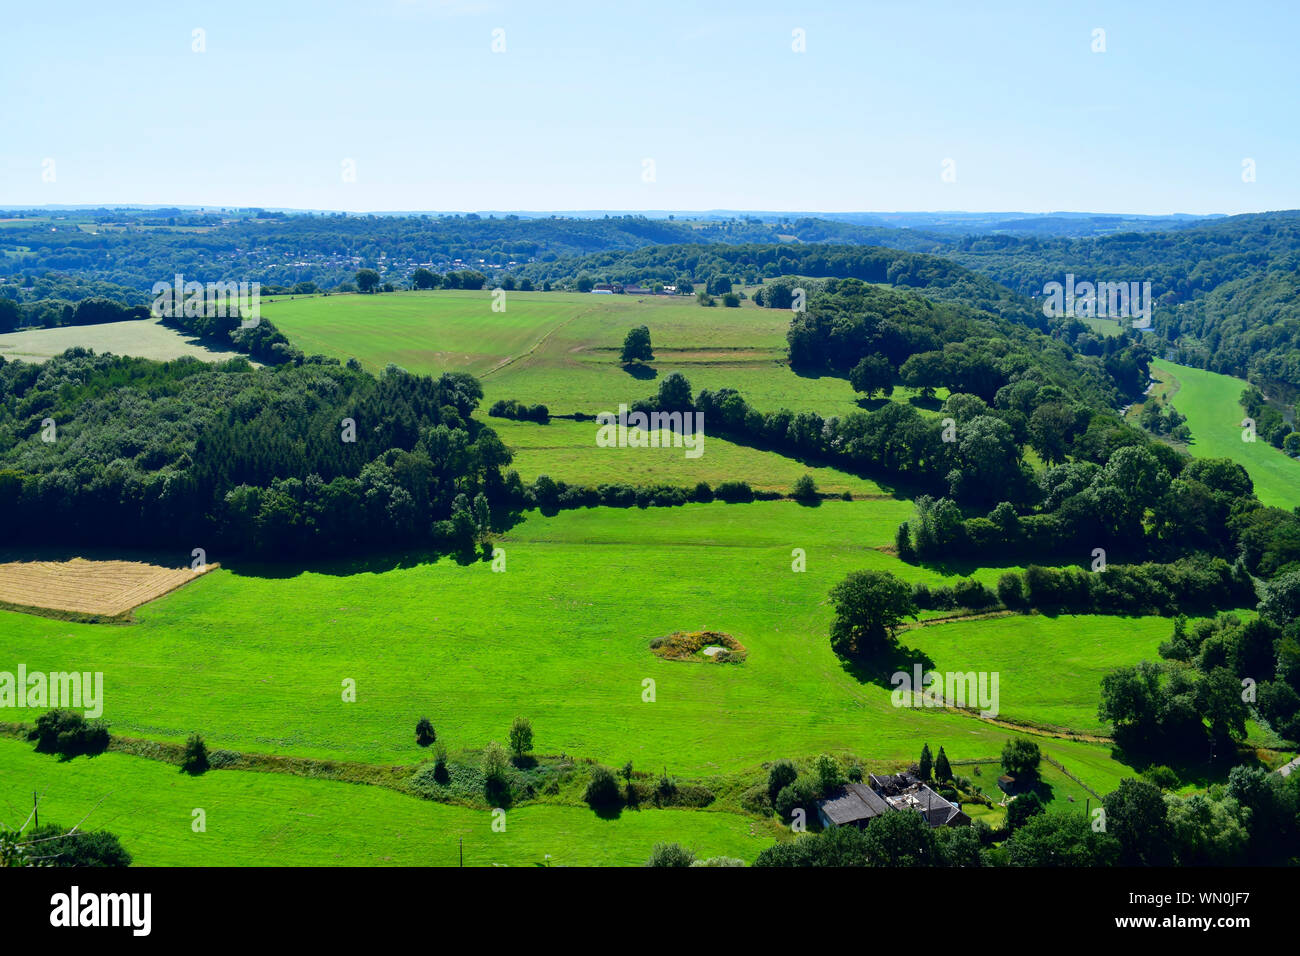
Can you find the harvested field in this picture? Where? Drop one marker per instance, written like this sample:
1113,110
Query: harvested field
93,588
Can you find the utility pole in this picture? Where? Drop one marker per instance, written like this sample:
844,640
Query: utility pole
462,851
36,813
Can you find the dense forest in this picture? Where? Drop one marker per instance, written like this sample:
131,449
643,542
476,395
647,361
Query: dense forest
312,458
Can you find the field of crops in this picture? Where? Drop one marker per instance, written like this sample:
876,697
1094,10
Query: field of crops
107,588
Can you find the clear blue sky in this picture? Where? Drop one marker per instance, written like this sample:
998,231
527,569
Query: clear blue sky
732,117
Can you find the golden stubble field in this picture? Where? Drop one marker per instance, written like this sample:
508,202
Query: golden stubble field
81,586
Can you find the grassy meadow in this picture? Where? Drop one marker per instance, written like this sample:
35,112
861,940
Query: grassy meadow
142,338
256,657
1212,404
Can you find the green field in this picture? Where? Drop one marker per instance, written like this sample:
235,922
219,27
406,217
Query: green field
562,637
566,450
267,819
255,658
1212,404
561,348
145,339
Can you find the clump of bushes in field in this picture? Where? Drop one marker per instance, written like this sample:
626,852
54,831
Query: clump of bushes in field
967,593
510,408
194,760
424,732
69,734
733,491
690,646
54,845
550,495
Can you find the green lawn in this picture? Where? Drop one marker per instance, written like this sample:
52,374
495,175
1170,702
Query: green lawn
269,819
1212,404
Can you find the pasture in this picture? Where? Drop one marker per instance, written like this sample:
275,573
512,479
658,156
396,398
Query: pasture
562,637
271,819
567,451
1212,404
562,348
143,338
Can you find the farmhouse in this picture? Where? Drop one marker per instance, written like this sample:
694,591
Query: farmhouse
857,804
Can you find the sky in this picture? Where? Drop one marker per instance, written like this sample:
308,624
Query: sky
462,105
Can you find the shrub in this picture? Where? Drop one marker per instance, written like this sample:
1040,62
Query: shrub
670,854
1010,591
69,734
971,593
496,779
56,846
424,732
702,492
1163,777
196,755
602,789
780,776
805,489
734,491
802,794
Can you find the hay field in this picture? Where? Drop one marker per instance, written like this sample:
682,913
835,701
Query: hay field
79,586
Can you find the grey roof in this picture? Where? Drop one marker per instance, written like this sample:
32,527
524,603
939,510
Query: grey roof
852,803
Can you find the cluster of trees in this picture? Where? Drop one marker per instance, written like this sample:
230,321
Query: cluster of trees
517,410
52,313
1145,500
262,341
1161,418
928,343
1269,423
1226,290
292,460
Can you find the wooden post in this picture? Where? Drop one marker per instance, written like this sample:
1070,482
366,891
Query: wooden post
36,813
462,851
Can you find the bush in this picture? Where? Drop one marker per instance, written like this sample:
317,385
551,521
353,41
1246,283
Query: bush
670,854
1163,777
602,789
802,794
805,489
734,491
702,492
496,779
1010,591
780,776
972,594
69,734
196,755
424,732
56,846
